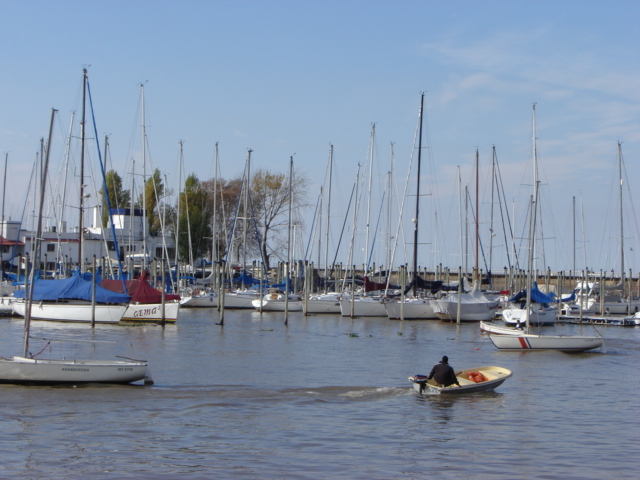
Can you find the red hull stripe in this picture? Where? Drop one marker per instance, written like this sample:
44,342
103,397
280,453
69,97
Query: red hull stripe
523,342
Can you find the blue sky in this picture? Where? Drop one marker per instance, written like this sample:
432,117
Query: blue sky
291,77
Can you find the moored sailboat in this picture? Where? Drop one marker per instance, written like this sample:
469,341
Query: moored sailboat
527,340
29,369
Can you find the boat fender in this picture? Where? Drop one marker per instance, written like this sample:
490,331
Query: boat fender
476,377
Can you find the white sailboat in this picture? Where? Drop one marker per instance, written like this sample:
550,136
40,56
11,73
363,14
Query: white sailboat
323,303
277,301
29,369
473,306
527,340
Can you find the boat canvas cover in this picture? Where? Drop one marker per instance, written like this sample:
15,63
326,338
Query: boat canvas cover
246,279
536,296
139,289
72,288
433,286
370,286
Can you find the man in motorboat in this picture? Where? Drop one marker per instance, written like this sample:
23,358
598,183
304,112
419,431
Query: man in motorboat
443,373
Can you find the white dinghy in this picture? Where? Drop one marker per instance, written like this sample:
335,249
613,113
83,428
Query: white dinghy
478,379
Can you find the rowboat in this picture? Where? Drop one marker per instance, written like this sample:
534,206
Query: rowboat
471,380
33,371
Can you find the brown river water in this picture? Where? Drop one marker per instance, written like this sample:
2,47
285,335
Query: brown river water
324,397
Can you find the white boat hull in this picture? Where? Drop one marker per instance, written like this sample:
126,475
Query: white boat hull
6,307
362,307
473,308
71,312
614,308
563,343
494,377
410,309
277,305
239,300
152,312
206,300
324,305
30,371
511,316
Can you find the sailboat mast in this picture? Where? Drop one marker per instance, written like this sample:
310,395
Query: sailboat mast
177,229
36,253
326,243
532,228
535,169
64,187
214,230
82,147
4,191
415,220
493,187
366,250
621,220
389,214
246,210
289,239
477,273
144,183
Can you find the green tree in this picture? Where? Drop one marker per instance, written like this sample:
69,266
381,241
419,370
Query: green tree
118,197
194,229
153,192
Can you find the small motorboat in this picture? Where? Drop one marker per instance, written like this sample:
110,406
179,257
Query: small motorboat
471,380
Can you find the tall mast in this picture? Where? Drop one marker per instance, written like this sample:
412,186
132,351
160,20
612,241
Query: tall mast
415,220
4,191
621,220
477,273
366,250
389,208
177,227
493,187
326,243
144,183
288,270
532,226
214,250
66,167
36,253
246,210
535,172
82,147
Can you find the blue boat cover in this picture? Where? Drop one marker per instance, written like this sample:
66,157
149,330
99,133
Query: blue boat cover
536,295
72,288
246,279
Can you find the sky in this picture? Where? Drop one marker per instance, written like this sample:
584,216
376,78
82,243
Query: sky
291,78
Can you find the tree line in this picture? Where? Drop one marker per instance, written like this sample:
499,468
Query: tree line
216,235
